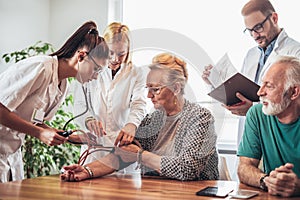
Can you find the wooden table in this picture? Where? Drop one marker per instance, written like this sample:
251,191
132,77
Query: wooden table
115,186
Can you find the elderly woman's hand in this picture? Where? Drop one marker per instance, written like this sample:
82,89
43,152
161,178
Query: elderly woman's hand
74,172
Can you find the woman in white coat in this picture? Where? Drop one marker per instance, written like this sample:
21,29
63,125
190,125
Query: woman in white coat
34,88
118,97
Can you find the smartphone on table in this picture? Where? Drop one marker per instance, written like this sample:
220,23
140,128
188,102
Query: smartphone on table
243,194
214,191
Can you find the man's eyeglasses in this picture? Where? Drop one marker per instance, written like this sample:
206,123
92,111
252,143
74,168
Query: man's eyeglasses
97,68
258,28
156,90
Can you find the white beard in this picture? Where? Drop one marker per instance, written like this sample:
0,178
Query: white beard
275,108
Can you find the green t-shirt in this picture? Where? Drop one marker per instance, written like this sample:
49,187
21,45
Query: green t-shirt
264,136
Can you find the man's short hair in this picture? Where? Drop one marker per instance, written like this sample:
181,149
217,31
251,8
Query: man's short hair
264,6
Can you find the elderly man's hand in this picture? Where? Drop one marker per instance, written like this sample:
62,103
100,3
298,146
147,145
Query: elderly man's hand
282,181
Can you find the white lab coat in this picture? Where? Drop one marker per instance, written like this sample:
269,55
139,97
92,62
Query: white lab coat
114,102
27,85
284,45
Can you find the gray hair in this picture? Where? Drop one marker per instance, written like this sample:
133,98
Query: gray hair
292,73
170,76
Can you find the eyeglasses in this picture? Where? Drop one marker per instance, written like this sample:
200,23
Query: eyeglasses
97,68
156,90
258,28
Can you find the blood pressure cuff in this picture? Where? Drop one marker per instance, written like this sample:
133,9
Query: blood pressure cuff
123,164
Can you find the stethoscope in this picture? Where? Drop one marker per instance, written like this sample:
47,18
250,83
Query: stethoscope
92,145
66,133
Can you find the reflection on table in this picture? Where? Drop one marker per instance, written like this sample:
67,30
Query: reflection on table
115,186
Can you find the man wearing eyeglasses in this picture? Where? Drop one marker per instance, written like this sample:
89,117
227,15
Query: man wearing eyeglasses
261,22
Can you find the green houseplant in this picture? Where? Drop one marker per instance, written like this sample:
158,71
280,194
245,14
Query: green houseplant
40,159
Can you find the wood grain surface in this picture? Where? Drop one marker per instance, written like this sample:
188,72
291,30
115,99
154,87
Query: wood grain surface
115,186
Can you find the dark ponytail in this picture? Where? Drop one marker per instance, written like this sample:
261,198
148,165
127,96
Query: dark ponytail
86,36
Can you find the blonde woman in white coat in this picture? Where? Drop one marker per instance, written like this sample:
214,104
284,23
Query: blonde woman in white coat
117,100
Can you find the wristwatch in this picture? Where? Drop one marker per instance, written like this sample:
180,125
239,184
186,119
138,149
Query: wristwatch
262,183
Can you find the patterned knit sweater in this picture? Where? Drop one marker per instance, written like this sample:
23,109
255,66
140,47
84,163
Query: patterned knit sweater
195,155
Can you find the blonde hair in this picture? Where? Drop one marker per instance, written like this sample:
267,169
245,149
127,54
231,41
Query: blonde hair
175,68
172,62
117,32
264,6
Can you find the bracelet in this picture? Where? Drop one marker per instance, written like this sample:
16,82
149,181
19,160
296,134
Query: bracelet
139,158
88,169
87,120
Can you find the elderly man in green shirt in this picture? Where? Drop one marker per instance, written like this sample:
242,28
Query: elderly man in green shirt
272,132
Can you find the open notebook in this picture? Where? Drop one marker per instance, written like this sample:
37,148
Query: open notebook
225,91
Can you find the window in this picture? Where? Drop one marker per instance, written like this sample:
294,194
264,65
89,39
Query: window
200,32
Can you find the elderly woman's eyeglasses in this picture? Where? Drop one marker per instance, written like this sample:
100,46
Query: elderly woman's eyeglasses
156,90
258,28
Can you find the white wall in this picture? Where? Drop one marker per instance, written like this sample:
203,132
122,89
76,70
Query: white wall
23,23
68,15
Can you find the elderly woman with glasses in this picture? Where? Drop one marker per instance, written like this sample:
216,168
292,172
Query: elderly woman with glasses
176,141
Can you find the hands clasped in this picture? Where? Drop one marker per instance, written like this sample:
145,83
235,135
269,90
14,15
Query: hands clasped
283,181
